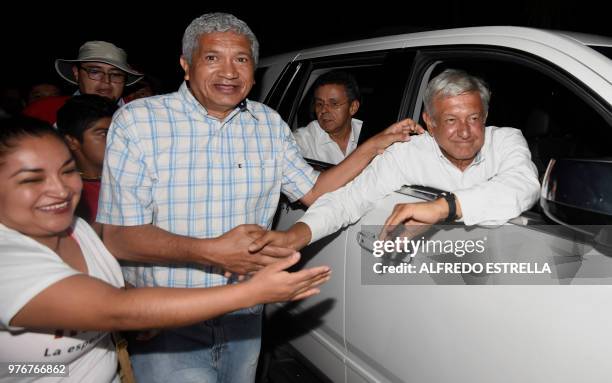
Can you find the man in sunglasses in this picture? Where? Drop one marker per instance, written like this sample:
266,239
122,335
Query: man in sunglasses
101,68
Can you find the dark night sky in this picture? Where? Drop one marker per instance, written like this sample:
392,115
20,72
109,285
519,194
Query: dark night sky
33,37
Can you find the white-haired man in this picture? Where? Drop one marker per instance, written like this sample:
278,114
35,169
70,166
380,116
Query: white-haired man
190,179
487,169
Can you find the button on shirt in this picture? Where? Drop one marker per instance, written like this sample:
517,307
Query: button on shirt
316,144
500,184
171,164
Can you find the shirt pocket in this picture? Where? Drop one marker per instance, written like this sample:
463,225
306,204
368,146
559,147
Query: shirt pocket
254,178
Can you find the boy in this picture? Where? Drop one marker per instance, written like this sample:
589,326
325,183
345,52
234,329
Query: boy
84,122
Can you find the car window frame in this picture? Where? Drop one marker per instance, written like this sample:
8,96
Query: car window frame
427,57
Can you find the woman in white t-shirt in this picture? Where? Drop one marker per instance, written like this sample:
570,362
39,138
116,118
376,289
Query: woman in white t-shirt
61,290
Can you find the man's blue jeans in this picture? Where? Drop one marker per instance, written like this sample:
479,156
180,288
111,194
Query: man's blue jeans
224,349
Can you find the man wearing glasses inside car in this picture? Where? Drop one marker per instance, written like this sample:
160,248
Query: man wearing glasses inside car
101,68
334,134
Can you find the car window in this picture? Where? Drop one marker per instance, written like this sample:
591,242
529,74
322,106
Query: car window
382,77
365,76
557,118
256,90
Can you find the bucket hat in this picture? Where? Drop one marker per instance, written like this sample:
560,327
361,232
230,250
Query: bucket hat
98,51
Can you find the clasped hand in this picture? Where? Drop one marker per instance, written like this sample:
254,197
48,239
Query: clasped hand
234,254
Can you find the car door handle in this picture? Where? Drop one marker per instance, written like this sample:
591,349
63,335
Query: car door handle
366,240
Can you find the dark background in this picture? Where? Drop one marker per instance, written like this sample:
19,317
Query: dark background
33,36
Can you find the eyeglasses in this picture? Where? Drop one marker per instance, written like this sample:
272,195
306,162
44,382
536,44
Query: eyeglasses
100,75
333,105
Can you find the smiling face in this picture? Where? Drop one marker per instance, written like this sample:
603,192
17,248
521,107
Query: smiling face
221,73
40,187
457,124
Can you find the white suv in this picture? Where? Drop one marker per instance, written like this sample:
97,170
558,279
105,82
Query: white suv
557,88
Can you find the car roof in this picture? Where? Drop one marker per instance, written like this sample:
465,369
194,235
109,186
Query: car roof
448,36
569,49
587,39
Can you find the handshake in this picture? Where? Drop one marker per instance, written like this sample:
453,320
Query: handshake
249,250
260,258
246,249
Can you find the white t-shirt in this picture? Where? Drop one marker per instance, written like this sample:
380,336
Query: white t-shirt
28,268
316,144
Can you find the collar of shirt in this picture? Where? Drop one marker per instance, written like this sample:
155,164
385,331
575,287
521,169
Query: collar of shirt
192,103
326,139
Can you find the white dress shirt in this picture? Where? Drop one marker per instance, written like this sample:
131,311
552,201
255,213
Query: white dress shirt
316,144
498,185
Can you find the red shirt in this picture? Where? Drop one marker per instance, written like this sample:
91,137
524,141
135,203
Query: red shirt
45,108
88,206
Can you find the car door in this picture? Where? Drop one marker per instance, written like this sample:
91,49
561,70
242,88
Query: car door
436,331
319,322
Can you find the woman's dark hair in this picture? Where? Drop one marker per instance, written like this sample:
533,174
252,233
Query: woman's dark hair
13,129
80,112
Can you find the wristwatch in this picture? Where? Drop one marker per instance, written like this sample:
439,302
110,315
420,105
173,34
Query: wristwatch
452,206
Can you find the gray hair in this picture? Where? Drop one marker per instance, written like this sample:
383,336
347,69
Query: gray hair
454,82
216,22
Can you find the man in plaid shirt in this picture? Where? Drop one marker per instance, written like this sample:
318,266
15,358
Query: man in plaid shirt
190,179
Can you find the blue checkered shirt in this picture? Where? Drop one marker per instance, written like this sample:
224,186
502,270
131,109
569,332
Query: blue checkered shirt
171,164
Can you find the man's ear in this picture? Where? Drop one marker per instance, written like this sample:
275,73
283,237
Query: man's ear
185,66
73,143
354,107
428,121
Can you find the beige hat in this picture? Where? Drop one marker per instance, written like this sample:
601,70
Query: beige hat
98,51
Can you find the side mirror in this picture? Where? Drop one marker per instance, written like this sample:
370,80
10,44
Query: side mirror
578,194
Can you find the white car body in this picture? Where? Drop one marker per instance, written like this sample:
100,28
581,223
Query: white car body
439,333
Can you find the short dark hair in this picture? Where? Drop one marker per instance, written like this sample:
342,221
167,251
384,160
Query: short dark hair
338,77
80,112
14,129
